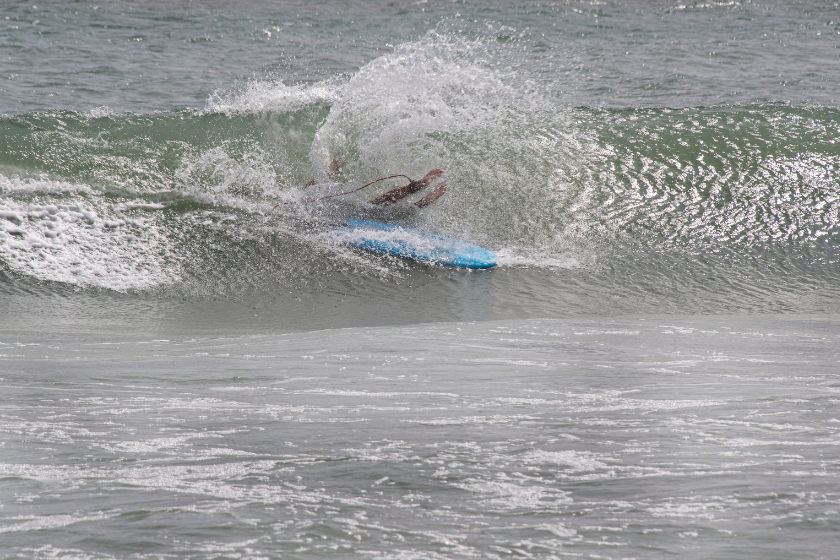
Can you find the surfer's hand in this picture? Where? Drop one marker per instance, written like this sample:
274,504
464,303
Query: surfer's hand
335,166
334,169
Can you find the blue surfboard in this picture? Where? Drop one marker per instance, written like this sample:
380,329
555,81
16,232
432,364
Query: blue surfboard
413,244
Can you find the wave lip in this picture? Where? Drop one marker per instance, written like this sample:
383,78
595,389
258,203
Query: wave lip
276,97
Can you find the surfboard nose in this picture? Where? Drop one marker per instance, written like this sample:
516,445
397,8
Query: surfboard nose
474,257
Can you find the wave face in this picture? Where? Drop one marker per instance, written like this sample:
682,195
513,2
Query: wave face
598,188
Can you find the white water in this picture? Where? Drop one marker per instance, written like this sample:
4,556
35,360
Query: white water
621,438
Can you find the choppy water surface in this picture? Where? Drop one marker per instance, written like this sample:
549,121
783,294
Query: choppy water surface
171,349
630,438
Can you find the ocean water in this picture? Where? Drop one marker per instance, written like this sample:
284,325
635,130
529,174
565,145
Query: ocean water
651,370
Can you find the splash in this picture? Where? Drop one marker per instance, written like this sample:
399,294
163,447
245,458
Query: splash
261,97
86,241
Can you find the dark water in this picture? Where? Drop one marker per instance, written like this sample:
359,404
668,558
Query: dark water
635,164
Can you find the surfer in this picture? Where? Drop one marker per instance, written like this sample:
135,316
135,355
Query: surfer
414,187
399,193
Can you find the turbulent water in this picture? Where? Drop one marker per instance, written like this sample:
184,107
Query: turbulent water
649,371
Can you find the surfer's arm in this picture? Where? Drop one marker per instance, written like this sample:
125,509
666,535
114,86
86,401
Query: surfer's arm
401,192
